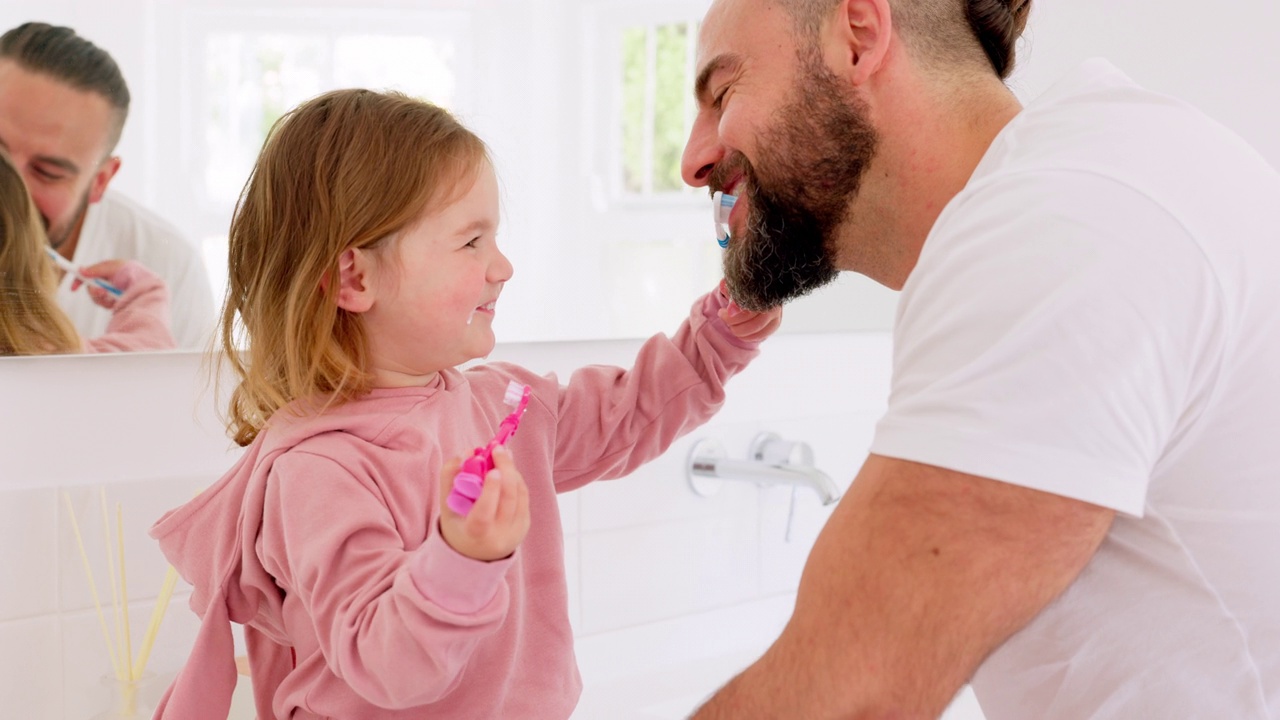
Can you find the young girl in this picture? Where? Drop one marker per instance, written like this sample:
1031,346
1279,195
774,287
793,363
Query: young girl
31,323
363,269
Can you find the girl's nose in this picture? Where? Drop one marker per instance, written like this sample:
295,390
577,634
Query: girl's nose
501,269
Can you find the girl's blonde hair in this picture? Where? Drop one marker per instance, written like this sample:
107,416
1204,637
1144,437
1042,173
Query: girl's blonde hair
31,323
347,169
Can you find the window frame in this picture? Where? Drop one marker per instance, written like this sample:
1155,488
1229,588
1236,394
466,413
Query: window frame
604,26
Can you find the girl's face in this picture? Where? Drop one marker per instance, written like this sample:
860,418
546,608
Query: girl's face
435,289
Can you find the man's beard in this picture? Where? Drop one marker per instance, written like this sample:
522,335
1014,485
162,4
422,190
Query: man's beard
798,193
59,235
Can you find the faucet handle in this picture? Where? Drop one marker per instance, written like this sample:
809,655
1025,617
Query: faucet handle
771,449
773,461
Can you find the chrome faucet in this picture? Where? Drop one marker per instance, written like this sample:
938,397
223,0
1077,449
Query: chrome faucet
773,461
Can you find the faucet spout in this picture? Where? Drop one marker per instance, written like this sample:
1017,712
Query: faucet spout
770,474
707,460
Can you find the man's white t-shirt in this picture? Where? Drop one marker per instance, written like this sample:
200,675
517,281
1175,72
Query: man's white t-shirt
1097,315
118,228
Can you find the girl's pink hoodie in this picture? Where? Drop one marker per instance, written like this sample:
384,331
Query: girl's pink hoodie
322,540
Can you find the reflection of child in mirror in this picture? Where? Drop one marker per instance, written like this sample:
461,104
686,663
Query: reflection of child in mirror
364,269
31,323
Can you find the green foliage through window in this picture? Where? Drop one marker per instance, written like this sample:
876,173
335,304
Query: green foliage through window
656,105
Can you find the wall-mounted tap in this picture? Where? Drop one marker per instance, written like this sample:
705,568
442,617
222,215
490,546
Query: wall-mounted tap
773,461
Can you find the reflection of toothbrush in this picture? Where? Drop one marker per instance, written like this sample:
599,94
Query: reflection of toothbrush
71,268
721,206
470,479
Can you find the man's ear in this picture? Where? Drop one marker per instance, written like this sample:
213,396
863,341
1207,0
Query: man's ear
102,178
355,281
865,29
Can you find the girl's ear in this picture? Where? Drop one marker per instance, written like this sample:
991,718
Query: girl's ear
355,281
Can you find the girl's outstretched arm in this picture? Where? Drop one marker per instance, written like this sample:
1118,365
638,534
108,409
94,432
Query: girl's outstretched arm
611,420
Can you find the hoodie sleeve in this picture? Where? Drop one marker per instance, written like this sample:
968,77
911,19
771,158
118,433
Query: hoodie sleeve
332,543
612,420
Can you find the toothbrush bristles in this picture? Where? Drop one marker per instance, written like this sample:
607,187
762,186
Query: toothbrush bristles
515,391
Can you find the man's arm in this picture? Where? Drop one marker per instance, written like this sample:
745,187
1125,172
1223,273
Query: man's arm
918,575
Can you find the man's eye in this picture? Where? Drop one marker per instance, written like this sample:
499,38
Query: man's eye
47,175
718,100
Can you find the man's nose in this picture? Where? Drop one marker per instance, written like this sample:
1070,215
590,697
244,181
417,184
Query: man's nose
702,151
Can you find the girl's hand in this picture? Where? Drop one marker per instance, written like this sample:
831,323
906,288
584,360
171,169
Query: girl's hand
498,521
746,324
109,270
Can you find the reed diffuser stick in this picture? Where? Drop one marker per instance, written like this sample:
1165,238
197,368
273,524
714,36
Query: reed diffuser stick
153,627
93,586
122,664
124,594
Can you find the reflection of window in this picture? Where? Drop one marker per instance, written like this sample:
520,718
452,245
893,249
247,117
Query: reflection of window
254,78
657,105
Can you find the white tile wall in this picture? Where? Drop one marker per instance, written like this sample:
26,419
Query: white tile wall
646,574
87,669
142,503
665,669
28,553
118,417
659,491
670,593
31,668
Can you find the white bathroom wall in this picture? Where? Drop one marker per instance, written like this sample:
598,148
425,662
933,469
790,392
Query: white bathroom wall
1219,57
142,429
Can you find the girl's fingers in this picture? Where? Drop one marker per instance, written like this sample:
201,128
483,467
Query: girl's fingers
100,297
105,269
768,327
751,325
502,460
512,482
486,507
506,502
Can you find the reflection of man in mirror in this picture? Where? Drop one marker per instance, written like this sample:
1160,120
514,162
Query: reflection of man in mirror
63,103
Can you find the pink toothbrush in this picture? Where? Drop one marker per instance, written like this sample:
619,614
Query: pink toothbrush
470,479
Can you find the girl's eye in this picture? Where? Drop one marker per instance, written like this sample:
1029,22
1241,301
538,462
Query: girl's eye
473,242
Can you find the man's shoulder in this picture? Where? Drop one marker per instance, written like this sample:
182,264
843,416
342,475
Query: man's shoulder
120,214
1097,120
117,226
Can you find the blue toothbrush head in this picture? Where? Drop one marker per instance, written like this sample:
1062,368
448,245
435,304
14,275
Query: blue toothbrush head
721,205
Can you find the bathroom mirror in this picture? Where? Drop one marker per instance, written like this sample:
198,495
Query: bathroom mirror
585,105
